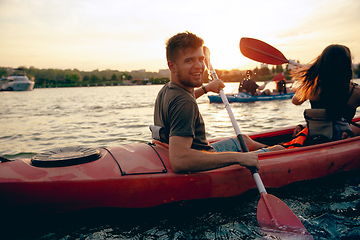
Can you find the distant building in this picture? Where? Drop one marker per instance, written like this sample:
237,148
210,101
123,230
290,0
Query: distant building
164,73
139,71
263,65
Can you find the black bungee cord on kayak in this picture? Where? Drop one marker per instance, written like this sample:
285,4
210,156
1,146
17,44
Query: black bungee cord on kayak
2,159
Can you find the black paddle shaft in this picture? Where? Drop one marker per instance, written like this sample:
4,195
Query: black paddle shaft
244,148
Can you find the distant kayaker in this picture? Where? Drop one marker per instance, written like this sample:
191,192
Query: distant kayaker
177,111
327,84
248,85
281,87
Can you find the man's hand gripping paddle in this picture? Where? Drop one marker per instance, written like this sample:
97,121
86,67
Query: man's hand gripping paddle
271,212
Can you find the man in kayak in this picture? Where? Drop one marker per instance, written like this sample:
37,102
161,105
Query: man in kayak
248,85
177,111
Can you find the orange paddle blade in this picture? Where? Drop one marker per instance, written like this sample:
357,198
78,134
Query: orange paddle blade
261,51
275,214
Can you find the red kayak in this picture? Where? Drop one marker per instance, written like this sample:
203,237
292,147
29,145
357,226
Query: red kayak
139,175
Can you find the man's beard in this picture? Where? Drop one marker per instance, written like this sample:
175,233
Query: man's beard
186,81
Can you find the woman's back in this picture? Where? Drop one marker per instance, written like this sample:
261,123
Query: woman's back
340,109
327,84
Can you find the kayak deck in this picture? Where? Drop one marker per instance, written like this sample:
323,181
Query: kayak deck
140,175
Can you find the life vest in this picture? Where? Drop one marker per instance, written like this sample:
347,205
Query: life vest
298,140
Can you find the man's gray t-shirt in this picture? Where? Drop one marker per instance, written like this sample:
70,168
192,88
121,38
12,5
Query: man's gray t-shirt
177,111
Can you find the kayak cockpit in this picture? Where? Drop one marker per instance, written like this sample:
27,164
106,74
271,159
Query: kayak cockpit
63,157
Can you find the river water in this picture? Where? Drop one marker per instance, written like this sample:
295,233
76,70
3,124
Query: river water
42,119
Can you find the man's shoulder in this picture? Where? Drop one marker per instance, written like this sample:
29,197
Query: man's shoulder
170,86
253,82
176,91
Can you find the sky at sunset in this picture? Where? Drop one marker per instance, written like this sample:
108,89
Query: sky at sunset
130,35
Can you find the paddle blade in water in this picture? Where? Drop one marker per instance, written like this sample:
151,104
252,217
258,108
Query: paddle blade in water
275,214
261,52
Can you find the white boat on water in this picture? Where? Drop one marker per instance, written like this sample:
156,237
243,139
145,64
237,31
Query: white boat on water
17,83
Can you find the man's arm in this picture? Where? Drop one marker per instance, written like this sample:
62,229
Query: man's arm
185,159
263,85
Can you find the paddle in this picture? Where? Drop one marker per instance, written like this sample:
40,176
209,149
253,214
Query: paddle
272,212
278,77
225,101
262,52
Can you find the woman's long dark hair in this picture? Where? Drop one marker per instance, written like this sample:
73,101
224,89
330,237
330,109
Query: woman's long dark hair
328,78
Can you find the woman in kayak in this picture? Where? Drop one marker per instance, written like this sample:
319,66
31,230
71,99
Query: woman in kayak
327,84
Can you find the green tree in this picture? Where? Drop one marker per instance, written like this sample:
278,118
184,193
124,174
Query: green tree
39,81
279,69
256,74
159,80
72,78
126,76
114,77
86,78
264,71
3,72
52,82
31,72
287,70
94,79
60,76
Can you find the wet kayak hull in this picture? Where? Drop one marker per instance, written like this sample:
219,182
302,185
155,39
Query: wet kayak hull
140,175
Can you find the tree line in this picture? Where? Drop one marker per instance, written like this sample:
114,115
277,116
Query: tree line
75,78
